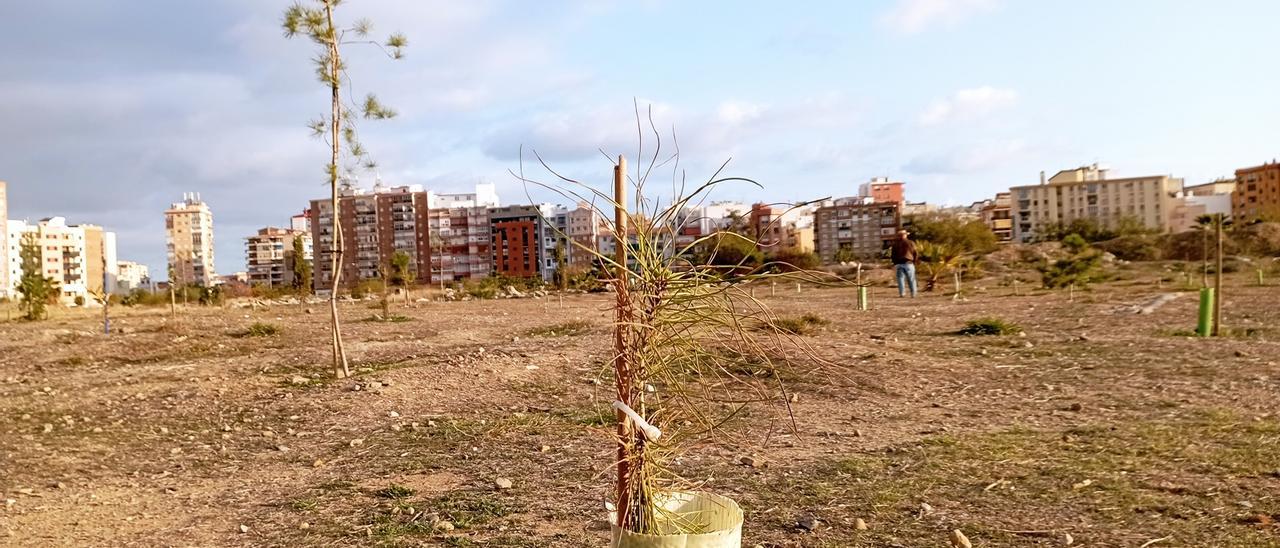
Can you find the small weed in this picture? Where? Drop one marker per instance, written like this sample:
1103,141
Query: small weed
804,325
394,491
989,326
305,504
570,328
260,329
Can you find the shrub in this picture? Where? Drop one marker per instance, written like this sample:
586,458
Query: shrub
260,329
792,259
1133,248
989,326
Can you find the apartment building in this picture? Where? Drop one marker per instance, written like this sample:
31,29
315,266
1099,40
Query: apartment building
997,214
301,222
131,275
375,225
5,283
1089,193
462,243
1257,193
584,226
270,257
1212,188
189,240
855,228
484,195
73,256
12,256
883,191
516,239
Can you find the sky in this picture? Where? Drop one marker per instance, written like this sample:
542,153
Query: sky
110,111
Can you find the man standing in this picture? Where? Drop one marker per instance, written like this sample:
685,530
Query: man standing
904,258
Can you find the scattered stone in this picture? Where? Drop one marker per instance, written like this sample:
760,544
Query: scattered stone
356,442
308,310
544,449
282,448
1067,539
857,433
1075,406
48,428
958,540
444,526
502,483
795,398
808,523
353,387
244,528
859,524
299,380
925,509
1241,354
752,462
393,414
175,450
304,525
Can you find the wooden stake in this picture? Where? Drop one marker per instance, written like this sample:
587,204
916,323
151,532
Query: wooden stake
619,341
1217,281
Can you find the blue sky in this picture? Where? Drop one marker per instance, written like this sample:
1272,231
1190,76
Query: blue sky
109,111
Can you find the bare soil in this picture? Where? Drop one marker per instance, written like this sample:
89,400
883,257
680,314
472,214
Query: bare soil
1115,428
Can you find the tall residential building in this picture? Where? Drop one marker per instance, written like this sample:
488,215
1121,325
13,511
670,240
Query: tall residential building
855,228
461,244
584,225
270,258
882,190
517,241
1257,193
997,214
131,275
12,256
5,283
189,234
485,195
375,226
1088,193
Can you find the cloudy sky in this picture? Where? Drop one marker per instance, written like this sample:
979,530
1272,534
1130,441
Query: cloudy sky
111,110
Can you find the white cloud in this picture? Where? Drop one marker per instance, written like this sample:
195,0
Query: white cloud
913,16
967,104
972,159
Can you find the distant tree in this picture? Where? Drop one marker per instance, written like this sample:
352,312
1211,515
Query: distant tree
735,252
945,243
793,258
384,275
301,268
36,289
316,23
402,273
1077,270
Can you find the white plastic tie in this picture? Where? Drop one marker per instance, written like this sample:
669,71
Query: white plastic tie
651,432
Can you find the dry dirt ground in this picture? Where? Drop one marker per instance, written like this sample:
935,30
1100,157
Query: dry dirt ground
1108,427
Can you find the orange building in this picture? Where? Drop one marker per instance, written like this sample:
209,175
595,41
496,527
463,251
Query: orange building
882,191
1257,193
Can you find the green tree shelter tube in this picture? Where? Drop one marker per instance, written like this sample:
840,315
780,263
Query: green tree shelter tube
862,297
1205,324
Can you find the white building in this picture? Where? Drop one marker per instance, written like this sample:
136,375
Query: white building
485,195
131,275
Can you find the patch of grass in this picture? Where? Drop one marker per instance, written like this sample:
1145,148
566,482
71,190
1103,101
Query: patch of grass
304,504
989,326
803,325
394,491
469,509
571,328
260,329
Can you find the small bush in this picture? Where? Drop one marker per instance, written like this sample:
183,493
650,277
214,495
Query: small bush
260,329
989,326
804,325
394,491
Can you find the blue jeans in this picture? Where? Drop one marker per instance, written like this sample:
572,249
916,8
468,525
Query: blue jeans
906,274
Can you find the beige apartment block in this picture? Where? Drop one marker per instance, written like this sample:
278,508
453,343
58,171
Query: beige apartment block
1257,193
189,237
1089,193
270,257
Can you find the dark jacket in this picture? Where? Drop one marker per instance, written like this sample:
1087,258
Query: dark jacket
904,252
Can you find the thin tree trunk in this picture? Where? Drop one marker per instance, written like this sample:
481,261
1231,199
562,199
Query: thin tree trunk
1204,258
340,367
